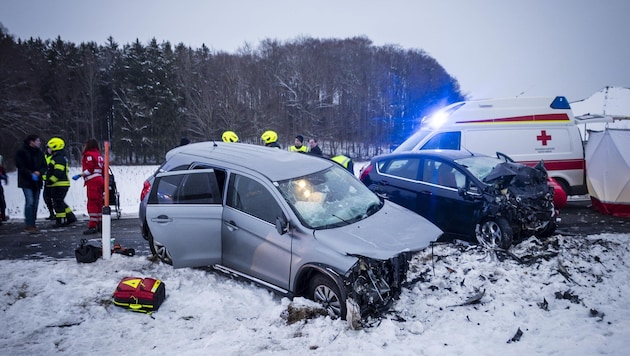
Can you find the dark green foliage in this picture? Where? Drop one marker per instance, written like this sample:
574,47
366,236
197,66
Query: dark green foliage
358,99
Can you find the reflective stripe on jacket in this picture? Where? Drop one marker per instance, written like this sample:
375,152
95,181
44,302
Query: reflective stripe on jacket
58,170
300,149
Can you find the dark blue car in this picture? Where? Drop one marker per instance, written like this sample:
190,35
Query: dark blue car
469,196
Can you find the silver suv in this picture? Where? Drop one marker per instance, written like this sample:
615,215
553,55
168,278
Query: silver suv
297,224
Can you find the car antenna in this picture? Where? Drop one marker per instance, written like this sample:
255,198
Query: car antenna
472,154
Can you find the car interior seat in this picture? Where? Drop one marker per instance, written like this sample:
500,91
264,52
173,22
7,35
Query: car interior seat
446,177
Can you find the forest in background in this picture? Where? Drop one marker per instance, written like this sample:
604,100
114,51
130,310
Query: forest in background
356,98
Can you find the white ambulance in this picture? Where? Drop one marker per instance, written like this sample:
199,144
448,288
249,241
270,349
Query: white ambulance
526,129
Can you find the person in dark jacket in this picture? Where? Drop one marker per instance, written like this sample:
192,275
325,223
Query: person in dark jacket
31,166
314,147
59,183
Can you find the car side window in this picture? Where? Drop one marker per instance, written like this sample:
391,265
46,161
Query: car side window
442,173
250,196
189,188
219,175
402,167
444,141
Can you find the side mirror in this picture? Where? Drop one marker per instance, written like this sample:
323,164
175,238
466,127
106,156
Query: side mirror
282,226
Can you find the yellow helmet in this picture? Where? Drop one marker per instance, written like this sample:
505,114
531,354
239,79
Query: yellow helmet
56,144
269,136
229,136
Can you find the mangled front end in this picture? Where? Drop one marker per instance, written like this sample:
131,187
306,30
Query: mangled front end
523,196
372,285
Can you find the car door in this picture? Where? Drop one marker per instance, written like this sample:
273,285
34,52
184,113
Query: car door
251,244
184,213
442,202
398,181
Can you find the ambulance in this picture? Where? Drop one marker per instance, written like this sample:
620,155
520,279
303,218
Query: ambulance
526,129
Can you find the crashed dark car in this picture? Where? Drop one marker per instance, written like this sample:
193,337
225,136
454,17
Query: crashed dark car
469,196
296,224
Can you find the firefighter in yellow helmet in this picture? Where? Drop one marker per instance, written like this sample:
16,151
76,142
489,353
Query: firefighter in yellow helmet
270,138
58,182
46,194
229,136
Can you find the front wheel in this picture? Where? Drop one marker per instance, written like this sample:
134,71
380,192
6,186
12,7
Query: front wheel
495,233
159,250
326,292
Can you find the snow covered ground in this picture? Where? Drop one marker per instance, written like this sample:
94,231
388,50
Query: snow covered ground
566,295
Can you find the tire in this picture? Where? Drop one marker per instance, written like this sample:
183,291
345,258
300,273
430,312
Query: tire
326,292
495,233
159,250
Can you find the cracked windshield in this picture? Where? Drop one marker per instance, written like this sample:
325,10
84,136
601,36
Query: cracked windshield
329,198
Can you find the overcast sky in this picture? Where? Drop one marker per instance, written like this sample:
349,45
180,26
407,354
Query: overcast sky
494,48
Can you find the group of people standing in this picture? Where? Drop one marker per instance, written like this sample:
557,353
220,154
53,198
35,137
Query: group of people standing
270,138
49,171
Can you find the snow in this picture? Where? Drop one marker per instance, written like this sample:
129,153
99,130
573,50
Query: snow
567,295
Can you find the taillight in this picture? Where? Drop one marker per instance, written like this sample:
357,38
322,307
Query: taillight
145,189
365,172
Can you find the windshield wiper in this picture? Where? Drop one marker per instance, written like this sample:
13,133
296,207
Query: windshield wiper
344,220
373,208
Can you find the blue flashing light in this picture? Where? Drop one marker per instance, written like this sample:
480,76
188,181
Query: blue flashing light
560,102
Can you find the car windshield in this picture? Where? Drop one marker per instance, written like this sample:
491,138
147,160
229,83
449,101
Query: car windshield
412,141
329,198
479,166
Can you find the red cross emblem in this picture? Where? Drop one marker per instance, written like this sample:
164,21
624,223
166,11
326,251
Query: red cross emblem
543,137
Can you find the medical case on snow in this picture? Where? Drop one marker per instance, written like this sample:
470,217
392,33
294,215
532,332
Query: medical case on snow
140,294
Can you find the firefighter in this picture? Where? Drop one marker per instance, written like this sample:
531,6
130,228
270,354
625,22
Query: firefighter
58,182
47,198
229,136
271,139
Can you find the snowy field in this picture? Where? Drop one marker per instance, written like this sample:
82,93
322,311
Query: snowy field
567,295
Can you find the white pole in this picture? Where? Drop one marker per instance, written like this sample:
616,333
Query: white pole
107,232
107,211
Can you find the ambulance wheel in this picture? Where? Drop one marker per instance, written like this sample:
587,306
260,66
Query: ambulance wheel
495,233
159,250
326,292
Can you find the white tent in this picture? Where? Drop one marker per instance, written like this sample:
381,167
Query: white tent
609,107
607,156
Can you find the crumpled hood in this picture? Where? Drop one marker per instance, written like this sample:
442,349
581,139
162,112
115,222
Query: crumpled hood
387,233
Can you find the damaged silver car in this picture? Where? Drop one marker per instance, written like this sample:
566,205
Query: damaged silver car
297,224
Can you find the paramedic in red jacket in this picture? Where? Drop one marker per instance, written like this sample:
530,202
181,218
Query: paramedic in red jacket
92,165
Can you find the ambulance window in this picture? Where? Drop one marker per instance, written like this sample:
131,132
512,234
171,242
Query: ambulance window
444,141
